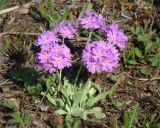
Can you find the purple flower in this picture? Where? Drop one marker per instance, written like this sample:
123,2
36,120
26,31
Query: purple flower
66,30
47,39
58,57
104,29
117,37
100,56
91,20
114,35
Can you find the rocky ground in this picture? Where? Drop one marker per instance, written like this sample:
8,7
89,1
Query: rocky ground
25,23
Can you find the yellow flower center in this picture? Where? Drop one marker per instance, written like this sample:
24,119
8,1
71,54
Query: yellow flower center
46,41
66,32
88,22
57,51
113,37
59,60
98,54
94,65
46,56
105,62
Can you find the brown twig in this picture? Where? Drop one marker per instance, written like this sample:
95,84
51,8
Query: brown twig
8,10
27,5
144,79
153,19
19,33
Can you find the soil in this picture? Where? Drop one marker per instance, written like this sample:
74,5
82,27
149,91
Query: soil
133,87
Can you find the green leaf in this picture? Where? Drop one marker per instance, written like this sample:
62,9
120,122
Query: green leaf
26,117
148,48
51,9
132,29
158,42
28,76
138,30
79,97
131,53
113,89
65,15
144,38
44,12
94,100
133,116
16,116
48,83
11,103
113,78
13,121
89,6
133,62
155,61
61,112
2,4
145,71
96,86
126,120
138,53
86,7
34,89
67,92
158,125
83,10
57,102
78,112
97,36
92,91
97,111
125,57
77,124
5,46
68,108
117,104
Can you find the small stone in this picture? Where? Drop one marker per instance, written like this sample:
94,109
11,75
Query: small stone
23,11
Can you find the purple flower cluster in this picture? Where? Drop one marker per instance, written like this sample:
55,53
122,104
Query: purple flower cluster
91,20
47,39
53,56
100,56
97,56
66,30
114,35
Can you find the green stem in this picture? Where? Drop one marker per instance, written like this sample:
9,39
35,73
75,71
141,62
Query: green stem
60,79
80,68
91,77
90,35
63,40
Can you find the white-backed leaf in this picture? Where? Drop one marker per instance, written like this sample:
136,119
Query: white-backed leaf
57,102
61,112
97,111
94,100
